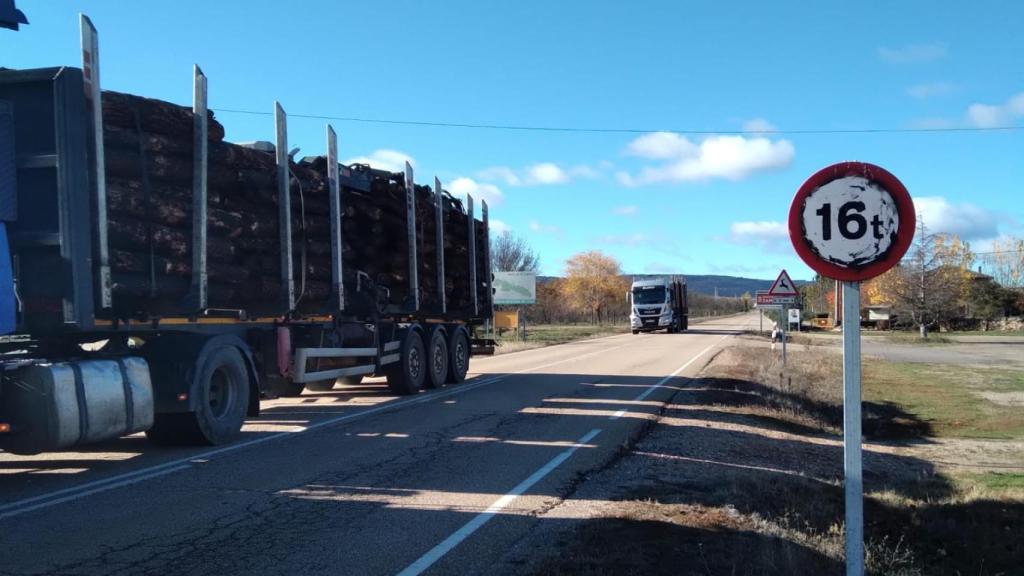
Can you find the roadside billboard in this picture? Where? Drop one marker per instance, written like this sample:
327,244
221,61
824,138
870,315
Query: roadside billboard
515,287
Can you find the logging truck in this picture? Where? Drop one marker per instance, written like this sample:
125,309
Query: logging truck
658,304
155,278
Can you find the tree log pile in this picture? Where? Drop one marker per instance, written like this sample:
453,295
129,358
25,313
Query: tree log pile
149,165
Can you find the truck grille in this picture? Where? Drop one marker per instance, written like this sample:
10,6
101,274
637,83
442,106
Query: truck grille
648,311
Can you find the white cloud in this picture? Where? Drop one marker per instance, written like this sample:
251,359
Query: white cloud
661,146
930,90
991,116
967,221
913,53
462,186
981,115
544,228
625,210
384,159
546,173
540,174
725,157
635,239
758,232
500,173
499,226
758,125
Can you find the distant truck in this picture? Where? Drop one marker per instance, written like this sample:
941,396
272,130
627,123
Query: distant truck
658,304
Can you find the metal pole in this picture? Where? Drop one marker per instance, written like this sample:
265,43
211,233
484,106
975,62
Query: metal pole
760,321
851,430
94,107
439,242
334,189
199,189
784,322
284,207
472,254
835,311
410,204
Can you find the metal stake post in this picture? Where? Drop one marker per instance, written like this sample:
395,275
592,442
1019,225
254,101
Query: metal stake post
94,107
334,189
284,207
784,323
200,279
851,430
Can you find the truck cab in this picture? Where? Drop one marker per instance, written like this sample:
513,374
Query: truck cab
658,304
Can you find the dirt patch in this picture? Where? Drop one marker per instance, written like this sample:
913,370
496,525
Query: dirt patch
1004,398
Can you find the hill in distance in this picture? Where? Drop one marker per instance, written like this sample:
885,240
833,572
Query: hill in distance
707,284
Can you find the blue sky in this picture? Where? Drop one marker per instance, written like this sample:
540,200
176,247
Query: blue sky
660,202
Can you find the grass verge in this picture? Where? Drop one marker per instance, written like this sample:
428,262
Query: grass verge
743,475
550,334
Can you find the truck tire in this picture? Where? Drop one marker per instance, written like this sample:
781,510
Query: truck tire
437,359
406,376
350,380
222,398
635,332
458,355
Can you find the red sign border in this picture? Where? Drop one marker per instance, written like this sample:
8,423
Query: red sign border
795,292
904,207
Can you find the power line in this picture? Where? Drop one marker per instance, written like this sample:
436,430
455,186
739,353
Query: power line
527,128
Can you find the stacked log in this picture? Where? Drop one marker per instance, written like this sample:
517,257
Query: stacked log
149,201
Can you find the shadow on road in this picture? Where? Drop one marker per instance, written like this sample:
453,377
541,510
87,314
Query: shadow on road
393,486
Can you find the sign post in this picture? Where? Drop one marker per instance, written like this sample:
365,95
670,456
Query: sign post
783,292
852,221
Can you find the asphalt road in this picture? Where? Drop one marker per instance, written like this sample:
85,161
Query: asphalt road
353,481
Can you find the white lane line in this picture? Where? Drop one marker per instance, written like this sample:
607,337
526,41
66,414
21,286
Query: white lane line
124,482
662,382
24,505
438,552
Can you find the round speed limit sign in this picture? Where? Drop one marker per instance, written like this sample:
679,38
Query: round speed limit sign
851,221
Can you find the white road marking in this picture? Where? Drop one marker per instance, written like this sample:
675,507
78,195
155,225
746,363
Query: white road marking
662,382
24,505
438,552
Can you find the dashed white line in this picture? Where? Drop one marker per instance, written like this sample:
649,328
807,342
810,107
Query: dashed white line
438,552
662,382
61,496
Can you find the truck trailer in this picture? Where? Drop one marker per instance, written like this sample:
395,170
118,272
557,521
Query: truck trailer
658,304
155,278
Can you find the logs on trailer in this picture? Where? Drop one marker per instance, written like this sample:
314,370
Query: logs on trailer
149,165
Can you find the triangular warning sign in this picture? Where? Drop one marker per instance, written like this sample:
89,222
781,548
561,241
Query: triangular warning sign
783,286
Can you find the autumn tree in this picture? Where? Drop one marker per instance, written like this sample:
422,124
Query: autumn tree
932,283
593,283
1005,263
511,253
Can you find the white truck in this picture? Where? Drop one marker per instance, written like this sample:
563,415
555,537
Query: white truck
658,304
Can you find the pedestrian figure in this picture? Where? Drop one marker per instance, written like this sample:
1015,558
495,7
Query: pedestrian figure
775,337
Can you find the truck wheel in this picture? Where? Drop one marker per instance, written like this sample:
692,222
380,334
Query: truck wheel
458,355
222,397
437,359
350,380
406,376
635,332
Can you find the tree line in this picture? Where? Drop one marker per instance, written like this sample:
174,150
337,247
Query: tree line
593,290
939,284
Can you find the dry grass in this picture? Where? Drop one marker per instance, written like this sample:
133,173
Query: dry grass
743,475
543,335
